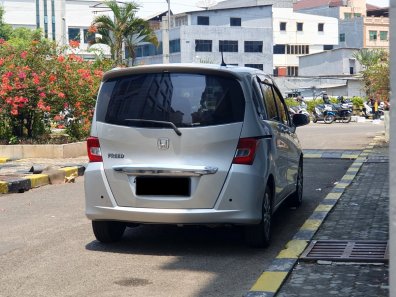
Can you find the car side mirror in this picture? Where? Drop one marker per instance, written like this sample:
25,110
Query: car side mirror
300,119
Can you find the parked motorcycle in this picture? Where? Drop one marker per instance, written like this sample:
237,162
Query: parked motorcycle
329,113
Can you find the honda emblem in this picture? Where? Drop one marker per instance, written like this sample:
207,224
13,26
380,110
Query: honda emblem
163,143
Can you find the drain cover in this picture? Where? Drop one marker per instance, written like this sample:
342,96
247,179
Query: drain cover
347,251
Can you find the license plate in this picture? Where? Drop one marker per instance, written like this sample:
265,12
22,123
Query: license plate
163,186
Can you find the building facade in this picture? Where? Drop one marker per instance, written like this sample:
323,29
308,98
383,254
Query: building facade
336,62
243,35
59,20
298,34
360,25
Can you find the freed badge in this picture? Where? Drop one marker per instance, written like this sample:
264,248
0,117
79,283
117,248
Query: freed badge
163,143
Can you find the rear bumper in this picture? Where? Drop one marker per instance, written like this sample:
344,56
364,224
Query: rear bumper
170,216
236,204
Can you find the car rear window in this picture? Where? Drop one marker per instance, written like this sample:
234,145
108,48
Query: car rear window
184,99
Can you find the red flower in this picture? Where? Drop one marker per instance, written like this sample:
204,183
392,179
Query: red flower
74,43
24,54
52,78
92,29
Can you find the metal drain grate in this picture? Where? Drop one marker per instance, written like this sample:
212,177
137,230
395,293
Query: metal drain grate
347,251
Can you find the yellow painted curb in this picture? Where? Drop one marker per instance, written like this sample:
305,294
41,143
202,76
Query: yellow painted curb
293,249
353,170
269,281
346,156
3,187
348,177
341,185
335,196
312,155
3,160
69,171
324,207
311,225
38,180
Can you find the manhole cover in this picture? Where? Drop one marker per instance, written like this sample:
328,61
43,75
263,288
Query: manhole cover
345,251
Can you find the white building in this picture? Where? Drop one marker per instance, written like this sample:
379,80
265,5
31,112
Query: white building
298,34
293,34
60,20
243,34
337,62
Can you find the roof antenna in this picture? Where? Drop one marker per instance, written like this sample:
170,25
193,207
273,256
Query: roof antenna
222,60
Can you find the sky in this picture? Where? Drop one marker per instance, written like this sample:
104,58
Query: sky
151,7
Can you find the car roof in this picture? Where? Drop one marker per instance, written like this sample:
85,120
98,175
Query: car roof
228,70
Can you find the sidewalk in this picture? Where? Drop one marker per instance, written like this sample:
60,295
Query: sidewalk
356,210
21,175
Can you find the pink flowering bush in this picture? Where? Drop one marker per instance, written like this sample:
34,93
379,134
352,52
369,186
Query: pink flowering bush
39,84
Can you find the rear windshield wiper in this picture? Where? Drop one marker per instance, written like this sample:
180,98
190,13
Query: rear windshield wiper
170,124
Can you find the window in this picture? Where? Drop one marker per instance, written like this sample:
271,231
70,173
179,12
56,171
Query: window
282,110
228,46
256,66
299,26
297,49
373,35
235,22
292,71
347,15
174,46
320,27
253,46
384,35
74,34
203,45
328,47
282,26
279,49
269,102
184,99
89,37
357,15
203,20
342,37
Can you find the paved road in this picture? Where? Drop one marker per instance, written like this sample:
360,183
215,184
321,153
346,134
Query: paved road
349,136
47,248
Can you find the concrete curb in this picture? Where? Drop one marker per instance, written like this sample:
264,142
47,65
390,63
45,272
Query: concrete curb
22,184
271,280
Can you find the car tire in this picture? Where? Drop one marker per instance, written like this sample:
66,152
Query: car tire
295,199
108,231
259,236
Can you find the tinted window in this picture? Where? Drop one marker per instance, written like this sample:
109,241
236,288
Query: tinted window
282,111
235,22
269,102
228,46
187,100
203,45
253,46
203,20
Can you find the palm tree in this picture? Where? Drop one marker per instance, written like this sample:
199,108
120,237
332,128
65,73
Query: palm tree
368,57
114,32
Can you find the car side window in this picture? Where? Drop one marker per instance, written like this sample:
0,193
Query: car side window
269,102
282,110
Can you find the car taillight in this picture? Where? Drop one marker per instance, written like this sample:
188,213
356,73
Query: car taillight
246,151
94,153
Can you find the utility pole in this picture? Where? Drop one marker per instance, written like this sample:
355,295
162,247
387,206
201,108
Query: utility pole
165,36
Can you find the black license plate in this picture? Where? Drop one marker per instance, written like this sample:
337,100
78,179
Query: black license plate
163,186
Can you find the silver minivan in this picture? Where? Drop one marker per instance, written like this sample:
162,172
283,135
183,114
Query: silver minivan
191,144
